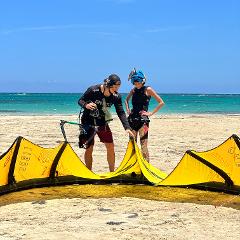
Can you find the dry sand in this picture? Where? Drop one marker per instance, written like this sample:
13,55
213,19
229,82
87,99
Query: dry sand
121,218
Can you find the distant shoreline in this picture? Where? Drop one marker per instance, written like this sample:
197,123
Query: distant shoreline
25,93
156,115
67,103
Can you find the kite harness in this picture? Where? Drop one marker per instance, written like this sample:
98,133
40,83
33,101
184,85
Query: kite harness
84,137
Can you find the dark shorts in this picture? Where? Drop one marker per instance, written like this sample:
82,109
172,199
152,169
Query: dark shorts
137,122
104,133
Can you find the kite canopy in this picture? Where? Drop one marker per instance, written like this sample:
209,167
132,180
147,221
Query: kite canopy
27,165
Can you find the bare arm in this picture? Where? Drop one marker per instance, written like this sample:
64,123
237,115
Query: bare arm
161,103
127,100
122,116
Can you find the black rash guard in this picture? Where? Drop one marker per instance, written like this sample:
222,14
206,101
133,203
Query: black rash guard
95,95
140,101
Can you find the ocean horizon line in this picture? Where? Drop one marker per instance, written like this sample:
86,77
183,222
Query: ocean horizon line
173,93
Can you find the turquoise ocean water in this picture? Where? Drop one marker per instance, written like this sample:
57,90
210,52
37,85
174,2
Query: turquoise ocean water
66,103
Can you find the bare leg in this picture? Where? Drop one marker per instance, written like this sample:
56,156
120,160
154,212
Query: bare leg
110,156
135,134
88,157
143,134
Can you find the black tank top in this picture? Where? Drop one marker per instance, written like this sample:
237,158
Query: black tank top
140,101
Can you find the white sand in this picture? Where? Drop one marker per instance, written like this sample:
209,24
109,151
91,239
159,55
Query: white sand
121,218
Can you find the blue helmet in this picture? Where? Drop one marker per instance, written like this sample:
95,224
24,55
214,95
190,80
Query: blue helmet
137,76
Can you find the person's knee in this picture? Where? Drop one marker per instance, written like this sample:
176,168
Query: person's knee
143,142
109,146
89,150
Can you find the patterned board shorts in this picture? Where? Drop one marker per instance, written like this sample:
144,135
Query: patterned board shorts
104,133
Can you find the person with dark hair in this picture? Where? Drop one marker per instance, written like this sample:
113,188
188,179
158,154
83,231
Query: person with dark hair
139,115
96,102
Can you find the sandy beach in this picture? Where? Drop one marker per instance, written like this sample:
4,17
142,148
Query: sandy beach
126,217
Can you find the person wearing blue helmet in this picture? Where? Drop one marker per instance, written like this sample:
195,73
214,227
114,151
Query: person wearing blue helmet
139,115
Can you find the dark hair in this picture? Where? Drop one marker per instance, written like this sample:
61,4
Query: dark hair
112,79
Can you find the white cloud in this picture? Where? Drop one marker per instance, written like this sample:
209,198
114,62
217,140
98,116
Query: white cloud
43,28
167,29
104,33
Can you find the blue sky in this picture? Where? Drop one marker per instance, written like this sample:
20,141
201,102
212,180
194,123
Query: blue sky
183,46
